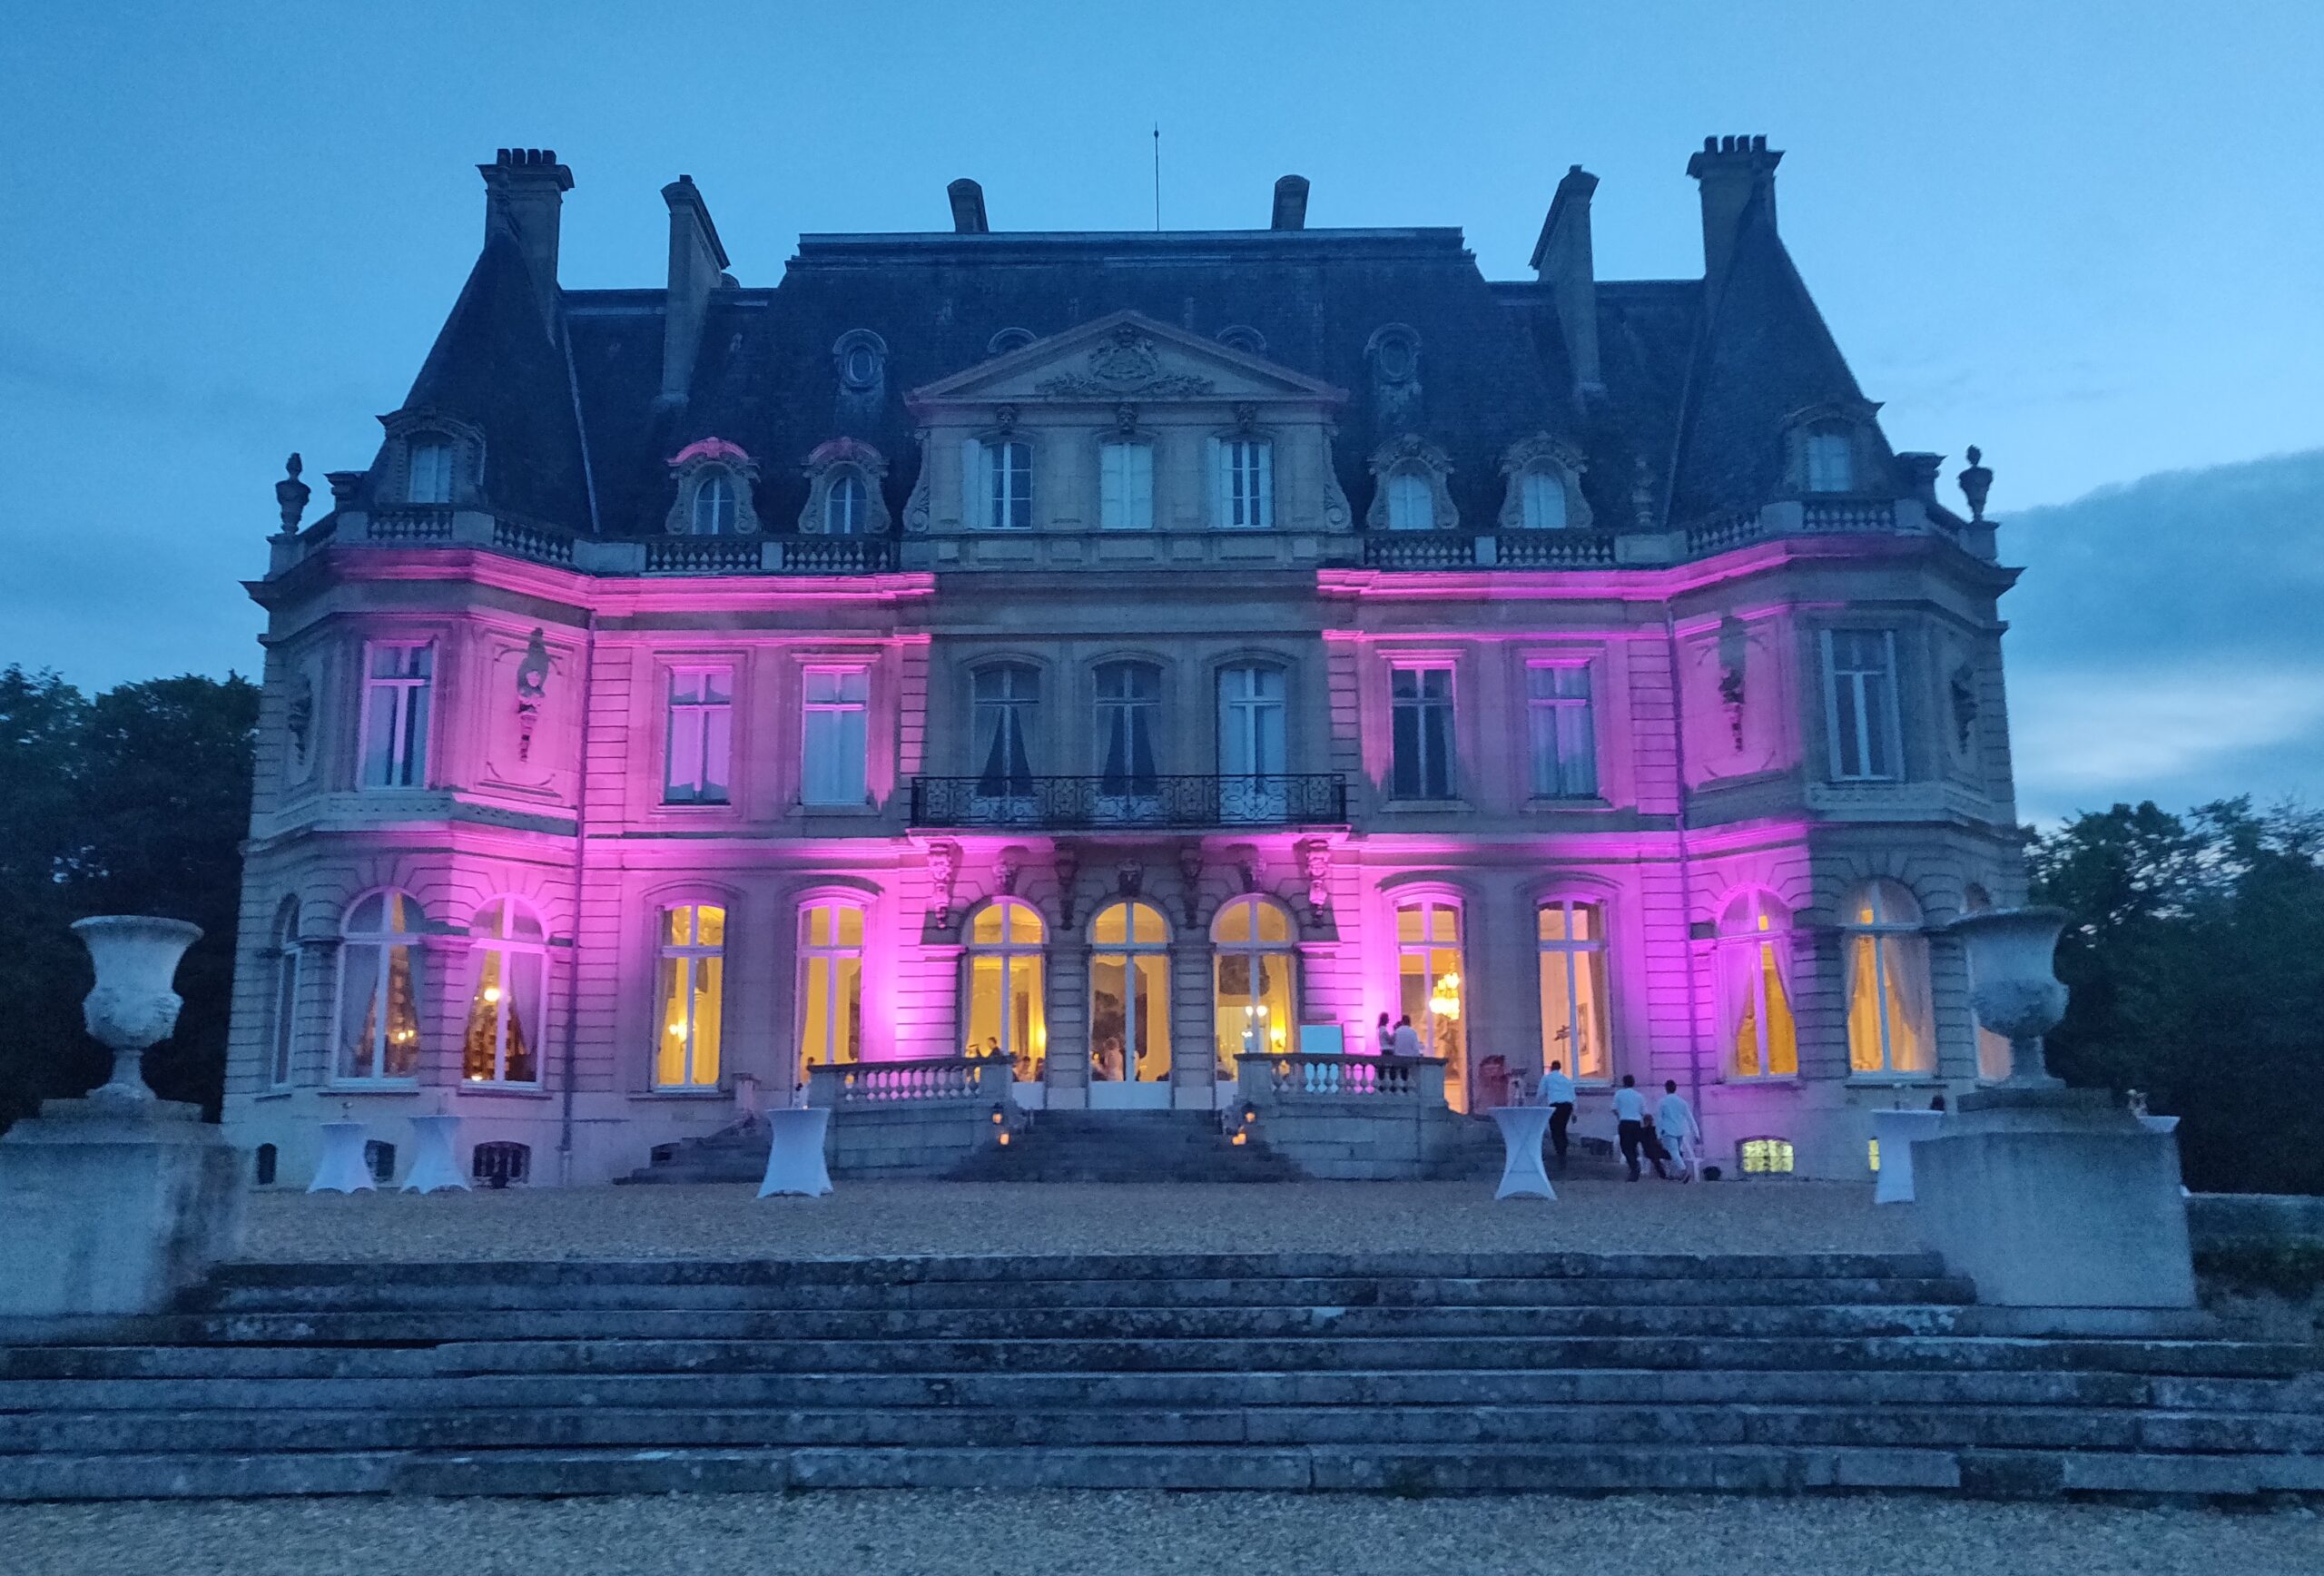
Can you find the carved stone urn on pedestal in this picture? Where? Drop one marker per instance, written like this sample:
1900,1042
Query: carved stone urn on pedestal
133,1006
2015,993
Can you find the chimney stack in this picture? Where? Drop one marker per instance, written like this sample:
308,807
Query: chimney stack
1290,203
696,260
1565,264
968,207
1732,170
524,193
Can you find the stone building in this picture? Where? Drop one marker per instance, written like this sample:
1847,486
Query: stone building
1120,653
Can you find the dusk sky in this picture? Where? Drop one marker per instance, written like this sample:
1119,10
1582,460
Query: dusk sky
2083,237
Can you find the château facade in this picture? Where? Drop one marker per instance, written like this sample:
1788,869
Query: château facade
1121,654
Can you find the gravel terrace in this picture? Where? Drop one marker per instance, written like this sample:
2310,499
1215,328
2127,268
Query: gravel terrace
1130,1534
882,1219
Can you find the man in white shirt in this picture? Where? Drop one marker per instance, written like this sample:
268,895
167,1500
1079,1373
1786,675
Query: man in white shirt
1675,1125
1557,1093
1406,1041
1629,1123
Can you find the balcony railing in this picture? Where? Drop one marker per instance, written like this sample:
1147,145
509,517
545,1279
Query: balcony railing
702,556
1104,803
983,1079
836,555
1297,1077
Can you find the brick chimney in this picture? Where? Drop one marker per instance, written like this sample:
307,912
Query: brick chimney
524,191
968,207
1290,203
1731,171
697,260
1563,262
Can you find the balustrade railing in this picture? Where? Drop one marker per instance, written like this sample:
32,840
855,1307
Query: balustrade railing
1131,801
410,523
702,555
1555,549
1289,1077
1419,550
1848,515
531,541
1720,532
882,1083
837,555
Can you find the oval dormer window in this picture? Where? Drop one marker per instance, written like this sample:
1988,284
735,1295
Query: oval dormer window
862,366
714,505
846,505
429,471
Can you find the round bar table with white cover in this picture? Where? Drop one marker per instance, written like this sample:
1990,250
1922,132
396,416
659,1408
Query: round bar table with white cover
1522,1174
1895,1132
794,1153
433,1148
341,1169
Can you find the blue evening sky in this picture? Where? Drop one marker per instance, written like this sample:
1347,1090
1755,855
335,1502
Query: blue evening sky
2084,236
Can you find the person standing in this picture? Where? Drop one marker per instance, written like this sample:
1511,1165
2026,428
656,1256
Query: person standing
1557,1093
1629,1126
1675,1125
1405,1041
1387,1037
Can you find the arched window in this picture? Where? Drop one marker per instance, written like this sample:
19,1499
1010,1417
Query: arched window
690,999
845,505
1411,502
1542,500
713,505
1004,700
1886,959
1130,699
1572,937
1254,971
831,984
1008,340
1433,986
1829,456
1006,1013
1996,1055
1130,994
1754,1005
282,1007
1002,475
504,1013
428,470
379,989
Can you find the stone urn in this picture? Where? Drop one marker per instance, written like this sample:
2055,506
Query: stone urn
2014,992
132,1006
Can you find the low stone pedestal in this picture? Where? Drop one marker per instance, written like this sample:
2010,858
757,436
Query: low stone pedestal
113,1209
2056,1197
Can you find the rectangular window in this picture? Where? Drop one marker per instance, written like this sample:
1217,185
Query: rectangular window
1860,704
1421,699
1246,483
1572,941
1124,487
831,985
833,760
1831,462
690,997
430,478
1001,474
1411,502
396,676
1560,731
701,751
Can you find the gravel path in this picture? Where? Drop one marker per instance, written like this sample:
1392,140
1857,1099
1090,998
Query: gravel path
874,1218
1128,1534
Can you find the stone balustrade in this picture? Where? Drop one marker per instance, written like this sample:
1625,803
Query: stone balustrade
1295,1077
982,1079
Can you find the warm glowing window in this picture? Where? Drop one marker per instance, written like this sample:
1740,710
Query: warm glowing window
1885,960
502,1044
1003,471
399,678
1130,994
714,505
1754,997
1254,1007
282,1006
1124,487
834,767
429,471
689,997
1540,496
1860,704
1411,502
846,505
831,984
1764,1157
1830,457
1006,1014
1559,732
1433,986
381,988
1572,942
1246,484
700,757
1421,708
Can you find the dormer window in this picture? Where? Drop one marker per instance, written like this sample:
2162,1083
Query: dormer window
1002,483
844,511
713,479
1124,486
1542,502
1829,456
1409,490
861,357
1544,487
1409,503
428,478
1246,484
714,510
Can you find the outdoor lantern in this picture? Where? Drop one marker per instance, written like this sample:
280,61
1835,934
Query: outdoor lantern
1004,1137
1250,1113
999,1116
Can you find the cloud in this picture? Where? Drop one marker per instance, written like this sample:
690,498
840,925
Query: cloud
2112,728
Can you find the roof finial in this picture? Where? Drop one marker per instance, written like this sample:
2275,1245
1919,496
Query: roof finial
290,495
1975,481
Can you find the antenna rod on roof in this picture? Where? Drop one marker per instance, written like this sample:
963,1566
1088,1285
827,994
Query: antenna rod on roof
1157,175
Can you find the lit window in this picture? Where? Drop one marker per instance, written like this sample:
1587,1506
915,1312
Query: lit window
282,1014
379,989
700,757
504,1013
1004,699
1411,502
1754,969
1542,501
834,767
1003,470
1433,986
1572,941
1129,695
831,984
1560,730
1129,995
1254,966
1421,702
1005,1014
1246,483
429,464
1885,960
714,505
690,996
1860,704
1831,462
396,681
1764,1157
846,505
1124,487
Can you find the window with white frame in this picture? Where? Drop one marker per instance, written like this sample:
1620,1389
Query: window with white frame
1245,468
1252,747
282,1016
1572,938
1003,699
1560,731
1411,502
846,505
1884,961
1829,454
395,687
1255,965
1130,994
1124,486
834,768
700,755
1860,704
1433,986
1001,484
427,471
1753,983
379,990
1541,500
1420,700
502,1044
690,996
716,506
831,984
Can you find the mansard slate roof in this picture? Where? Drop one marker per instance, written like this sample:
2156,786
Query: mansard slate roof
1700,379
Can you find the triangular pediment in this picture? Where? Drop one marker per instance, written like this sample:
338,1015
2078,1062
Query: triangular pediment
1124,356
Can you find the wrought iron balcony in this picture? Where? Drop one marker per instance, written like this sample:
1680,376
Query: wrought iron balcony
1130,803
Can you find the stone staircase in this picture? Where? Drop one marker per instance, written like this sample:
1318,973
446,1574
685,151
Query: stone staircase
1125,1147
1399,1373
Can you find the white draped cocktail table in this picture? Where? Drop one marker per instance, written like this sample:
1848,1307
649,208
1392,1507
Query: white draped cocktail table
1895,1132
794,1153
341,1169
1521,1128
434,1156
